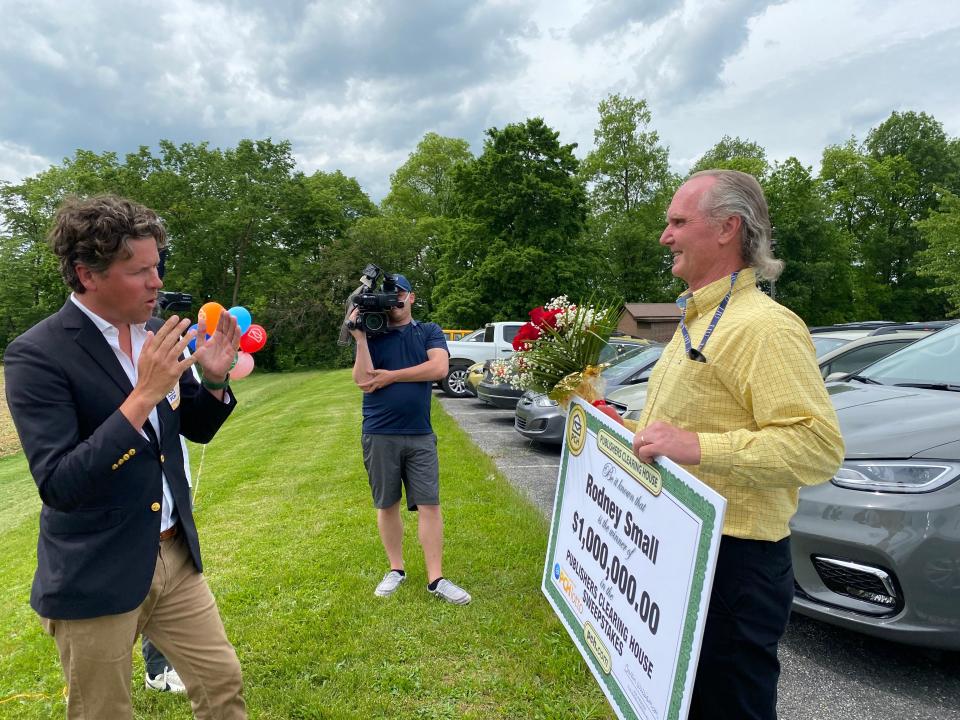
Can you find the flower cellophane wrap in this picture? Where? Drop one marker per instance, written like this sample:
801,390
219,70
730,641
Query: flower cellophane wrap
557,353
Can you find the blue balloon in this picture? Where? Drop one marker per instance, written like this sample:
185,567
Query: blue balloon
193,343
243,317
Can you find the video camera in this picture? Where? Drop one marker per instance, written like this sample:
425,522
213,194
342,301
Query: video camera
174,301
376,295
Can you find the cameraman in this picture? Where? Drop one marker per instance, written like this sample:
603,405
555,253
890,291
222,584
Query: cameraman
396,371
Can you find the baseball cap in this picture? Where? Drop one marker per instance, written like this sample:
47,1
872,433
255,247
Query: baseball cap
402,283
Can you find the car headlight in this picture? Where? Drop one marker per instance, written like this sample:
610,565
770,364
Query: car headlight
544,401
896,476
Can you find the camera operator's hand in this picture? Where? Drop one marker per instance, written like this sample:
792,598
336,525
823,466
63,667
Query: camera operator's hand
357,332
378,379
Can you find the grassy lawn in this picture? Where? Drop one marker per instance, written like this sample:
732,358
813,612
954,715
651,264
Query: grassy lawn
292,554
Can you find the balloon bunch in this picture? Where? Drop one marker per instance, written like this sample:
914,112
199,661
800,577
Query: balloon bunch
252,339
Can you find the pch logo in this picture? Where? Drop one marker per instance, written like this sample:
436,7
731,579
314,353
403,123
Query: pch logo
569,586
556,571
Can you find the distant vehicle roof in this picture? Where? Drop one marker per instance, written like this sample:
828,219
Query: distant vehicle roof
861,325
929,326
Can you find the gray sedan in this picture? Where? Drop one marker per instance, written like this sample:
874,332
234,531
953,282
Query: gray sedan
540,418
877,549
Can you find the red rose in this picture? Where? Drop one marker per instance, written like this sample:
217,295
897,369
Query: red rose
525,337
544,318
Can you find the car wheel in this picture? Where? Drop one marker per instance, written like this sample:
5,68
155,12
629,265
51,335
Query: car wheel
455,383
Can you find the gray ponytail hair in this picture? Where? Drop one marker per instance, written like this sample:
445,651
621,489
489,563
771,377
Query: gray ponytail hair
737,193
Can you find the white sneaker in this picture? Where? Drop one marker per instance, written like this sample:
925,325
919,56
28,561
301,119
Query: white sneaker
388,586
167,681
451,593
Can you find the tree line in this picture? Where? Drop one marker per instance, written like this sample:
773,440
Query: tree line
874,235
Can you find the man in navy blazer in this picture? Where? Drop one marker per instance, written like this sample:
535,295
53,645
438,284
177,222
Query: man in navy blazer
100,393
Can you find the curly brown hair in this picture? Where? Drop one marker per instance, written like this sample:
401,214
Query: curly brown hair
97,231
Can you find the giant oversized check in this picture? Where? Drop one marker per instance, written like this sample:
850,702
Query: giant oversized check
630,565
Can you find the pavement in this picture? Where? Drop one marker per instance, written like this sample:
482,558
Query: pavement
826,672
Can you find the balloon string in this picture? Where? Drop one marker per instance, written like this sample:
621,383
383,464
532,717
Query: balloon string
196,485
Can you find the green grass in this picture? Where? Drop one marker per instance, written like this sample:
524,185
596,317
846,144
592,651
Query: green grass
292,554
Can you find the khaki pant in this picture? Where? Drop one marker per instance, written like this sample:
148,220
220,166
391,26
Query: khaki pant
180,617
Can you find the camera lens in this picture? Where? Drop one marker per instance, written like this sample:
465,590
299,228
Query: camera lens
374,322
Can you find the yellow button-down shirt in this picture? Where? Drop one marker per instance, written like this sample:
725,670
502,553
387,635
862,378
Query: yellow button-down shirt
758,405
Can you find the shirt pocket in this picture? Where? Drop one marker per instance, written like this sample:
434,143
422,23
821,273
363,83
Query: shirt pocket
697,398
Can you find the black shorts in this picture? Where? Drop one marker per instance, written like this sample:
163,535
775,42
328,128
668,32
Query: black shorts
407,461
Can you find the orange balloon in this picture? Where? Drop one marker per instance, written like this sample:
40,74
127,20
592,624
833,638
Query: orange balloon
210,315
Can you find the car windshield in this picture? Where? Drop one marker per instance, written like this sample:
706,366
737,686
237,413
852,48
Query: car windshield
823,345
626,366
933,360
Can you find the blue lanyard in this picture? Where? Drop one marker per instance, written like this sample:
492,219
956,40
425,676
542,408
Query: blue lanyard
698,353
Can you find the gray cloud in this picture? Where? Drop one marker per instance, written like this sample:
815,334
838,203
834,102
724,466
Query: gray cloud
824,104
688,56
119,75
609,17
355,86
425,47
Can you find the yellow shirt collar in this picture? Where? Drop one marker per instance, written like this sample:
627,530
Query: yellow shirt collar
706,299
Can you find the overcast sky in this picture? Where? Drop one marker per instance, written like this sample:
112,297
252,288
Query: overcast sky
355,85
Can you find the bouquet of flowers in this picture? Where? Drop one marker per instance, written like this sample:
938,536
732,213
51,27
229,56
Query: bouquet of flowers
557,352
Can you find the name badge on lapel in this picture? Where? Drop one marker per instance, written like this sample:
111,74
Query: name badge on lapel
173,397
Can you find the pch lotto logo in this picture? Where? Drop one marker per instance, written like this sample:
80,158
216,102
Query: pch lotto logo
576,430
556,571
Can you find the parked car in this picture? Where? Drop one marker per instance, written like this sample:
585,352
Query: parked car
474,376
496,343
832,337
855,355
849,357
877,549
540,418
463,335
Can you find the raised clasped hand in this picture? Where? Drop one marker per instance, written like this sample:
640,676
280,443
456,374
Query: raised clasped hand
660,438
215,355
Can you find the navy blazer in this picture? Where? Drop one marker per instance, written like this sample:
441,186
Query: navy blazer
99,478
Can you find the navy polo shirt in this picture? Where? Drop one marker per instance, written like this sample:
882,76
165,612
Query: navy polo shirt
401,408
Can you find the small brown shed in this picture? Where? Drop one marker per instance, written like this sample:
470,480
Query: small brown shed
654,321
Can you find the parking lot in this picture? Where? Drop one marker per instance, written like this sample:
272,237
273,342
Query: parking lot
828,672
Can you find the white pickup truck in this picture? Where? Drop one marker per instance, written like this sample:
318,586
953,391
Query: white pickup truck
495,343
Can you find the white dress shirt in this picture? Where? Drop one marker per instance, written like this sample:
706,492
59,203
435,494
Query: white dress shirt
138,335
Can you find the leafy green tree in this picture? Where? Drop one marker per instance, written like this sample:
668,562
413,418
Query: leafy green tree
521,241
817,281
628,166
875,201
423,194
32,287
244,228
921,141
941,259
735,153
630,186
424,185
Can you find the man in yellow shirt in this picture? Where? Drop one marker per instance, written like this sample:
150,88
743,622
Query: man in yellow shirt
737,399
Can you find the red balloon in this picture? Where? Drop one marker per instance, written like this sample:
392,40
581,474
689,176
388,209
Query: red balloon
253,339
